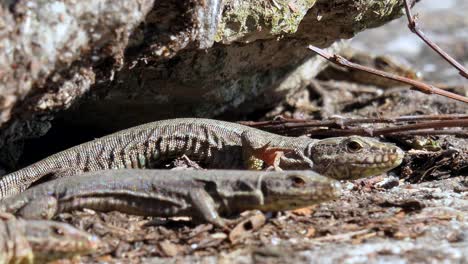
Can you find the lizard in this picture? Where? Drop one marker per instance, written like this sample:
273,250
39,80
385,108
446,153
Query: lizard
215,144
40,241
206,196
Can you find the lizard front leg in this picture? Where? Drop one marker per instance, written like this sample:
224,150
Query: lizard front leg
257,151
205,208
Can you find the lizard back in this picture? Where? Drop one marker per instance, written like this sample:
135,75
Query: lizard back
214,143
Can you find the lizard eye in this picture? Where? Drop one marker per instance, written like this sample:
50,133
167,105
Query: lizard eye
297,181
353,146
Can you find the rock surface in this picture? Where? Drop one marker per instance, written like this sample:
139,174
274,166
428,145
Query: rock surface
117,64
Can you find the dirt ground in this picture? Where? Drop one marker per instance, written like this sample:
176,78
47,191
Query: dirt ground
417,213
372,222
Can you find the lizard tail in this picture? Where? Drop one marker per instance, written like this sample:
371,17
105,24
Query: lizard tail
18,181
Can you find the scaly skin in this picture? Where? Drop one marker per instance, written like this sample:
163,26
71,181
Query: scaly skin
213,143
40,241
203,195
354,157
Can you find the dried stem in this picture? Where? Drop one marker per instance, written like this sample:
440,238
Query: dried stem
454,132
430,117
340,127
413,26
342,121
417,85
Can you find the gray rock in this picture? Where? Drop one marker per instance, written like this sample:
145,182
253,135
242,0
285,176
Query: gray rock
117,64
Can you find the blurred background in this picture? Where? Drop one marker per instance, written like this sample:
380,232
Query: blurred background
445,22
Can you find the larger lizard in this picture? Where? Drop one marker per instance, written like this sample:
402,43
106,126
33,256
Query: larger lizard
216,144
203,195
40,241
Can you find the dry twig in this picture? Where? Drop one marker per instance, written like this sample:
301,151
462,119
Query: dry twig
338,121
413,26
417,85
420,125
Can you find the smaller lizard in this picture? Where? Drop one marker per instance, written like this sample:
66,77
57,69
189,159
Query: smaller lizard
40,241
202,195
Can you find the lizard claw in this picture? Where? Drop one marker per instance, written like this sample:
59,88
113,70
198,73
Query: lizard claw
271,155
273,168
257,152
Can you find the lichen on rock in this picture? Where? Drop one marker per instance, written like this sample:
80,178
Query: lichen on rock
244,21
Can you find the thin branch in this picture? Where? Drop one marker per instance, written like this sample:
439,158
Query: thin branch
413,26
419,126
452,132
430,117
370,132
417,85
342,121
436,123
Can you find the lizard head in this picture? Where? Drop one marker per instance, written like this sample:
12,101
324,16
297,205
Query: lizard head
295,189
51,240
354,157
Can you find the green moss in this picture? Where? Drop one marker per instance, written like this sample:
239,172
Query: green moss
261,19
384,8
377,13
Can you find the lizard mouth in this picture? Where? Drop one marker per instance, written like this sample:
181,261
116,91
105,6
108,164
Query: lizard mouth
383,160
370,165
